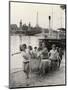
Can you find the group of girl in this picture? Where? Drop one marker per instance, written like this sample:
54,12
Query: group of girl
54,56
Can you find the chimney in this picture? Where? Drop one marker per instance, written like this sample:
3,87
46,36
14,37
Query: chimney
49,22
50,31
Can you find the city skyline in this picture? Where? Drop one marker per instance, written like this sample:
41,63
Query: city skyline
27,12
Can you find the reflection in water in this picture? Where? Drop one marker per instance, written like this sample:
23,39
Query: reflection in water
16,40
20,36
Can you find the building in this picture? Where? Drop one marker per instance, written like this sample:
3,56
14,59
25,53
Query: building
13,27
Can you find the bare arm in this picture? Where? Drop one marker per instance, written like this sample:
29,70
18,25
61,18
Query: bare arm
16,53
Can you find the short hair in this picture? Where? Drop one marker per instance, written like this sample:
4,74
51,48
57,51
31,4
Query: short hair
21,47
35,47
30,47
24,45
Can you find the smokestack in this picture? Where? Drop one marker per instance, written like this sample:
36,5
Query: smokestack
50,31
49,22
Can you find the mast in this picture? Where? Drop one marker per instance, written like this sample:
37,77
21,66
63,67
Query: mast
37,20
52,17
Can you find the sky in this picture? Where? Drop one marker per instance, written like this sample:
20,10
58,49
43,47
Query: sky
27,12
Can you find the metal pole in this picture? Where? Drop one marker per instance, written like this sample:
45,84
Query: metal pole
52,17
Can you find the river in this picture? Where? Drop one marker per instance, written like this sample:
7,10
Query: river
15,41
